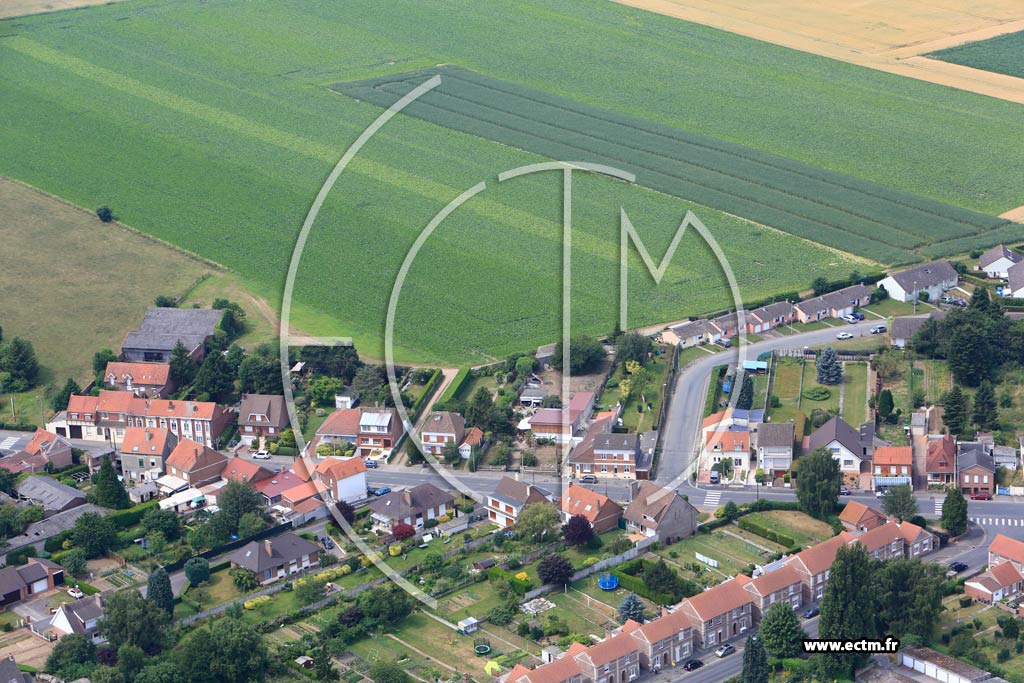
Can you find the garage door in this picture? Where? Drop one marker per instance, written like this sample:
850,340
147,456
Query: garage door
39,586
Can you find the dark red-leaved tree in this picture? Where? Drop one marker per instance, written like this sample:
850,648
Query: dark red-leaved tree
403,531
578,530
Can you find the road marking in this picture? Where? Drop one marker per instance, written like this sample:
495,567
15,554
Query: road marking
712,498
938,507
9,442
998,521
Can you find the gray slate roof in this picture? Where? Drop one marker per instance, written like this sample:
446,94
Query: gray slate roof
263,404
905,326
974,455
1015,277
270,553
837,429
10,673
926,275
693,328
775,435
49,493
615,442
401,504
997,252
38,532
162,328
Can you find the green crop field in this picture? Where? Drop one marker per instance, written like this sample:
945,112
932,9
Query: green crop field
213,126
1000,54
847,213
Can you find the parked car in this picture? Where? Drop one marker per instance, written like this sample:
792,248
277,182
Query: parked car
879,493
851,318
811,613
715,477
588,479
371,464
858,315
726,649
844,335
879,329
981,495
843,491
957,566
261,455
382,491
724,343
76,593
693,664
327,542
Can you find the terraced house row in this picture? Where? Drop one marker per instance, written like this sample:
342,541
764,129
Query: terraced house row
724,612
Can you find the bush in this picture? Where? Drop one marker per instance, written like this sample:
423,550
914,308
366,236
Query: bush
965,601
817,394
105,214
197,570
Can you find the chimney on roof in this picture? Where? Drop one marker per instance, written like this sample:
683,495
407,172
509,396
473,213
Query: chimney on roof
407,498
268,547
170,405
149,435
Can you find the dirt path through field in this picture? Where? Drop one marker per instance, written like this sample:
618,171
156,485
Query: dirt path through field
18,8
889,37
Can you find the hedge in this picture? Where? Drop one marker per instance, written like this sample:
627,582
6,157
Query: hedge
753,527
18,426
518,585
428,390
457,385
123,519
636,585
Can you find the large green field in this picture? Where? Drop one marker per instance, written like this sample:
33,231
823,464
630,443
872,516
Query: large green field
1001,54
838,210
212,126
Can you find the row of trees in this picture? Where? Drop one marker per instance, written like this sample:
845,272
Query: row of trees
959,413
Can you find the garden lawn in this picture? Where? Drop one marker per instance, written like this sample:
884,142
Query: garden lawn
697,352
855,392
220,589
810,382
733,555
785,386
802,528
636,421
891,307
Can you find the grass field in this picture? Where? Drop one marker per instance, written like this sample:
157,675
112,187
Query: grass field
1000,54
786,386
855,392
802,528
840,211
165,112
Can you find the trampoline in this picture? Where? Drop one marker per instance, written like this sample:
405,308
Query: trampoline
481,646
608,582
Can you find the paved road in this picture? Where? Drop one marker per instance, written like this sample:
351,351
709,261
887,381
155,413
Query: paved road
686,410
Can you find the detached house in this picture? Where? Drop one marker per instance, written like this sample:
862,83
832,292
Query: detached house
602,513
195,464
1006,550
693,333
852,448
260,416
1005,575
345,478
45,449
509,499
144,452
37,576
893,466
997,260
560,424
975,469
721,613
941,460
661,512
442,428
147,380
606,454
380,430
413,506
81,617
933,279
774,447
904,327
275,558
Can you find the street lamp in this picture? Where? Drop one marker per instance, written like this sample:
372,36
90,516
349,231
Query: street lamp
915,297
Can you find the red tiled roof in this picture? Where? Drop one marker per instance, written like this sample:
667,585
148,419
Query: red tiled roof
41,441
941,455
473,437
1007,547
619,645
303,491
665,626
238,469
1006,574
189,456
776,580
820,557
879,537
720,599
859,514
341,468
26,463
728,440
278,484
582,501
894,455
138,440
141,373
341,422
158,407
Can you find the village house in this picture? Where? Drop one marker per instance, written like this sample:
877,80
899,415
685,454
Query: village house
245,471
194,463
691,333
892,466
975,469
1005,456
510,497
724,327
997,261
560,424
731,443
852,448
722,613
163,328
815,563
1005,575
666,641
34,577
340,430
146,380
780,584
345,478
564,669
661,512
1004,549
602,513
53,495
144,451
274,487
440,428
769,317
275,558
45,451
857,516
941,460
81,617
1015,281
261,416
881,543
904,327
412,506
833,304
304,498
933,279
616,659
380,430
774,448
917,541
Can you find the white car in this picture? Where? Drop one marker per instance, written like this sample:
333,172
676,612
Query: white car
76,593
261,455
844,335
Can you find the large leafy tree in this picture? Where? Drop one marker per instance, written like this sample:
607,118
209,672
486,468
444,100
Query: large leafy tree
985,414
367,383
18,360
335,361
100,359
234,500
829,371
885,404
899,502
585,354
847,609
158,591
755,661
908,598
955,410
93,533
197,570
631,608
165,521
215,378
108,490
59,400
659,577
382,671
229,650
259,374
71,656
781,632
633,346
130,619
554,569
538,522
578,530
817,486
954,512
182,369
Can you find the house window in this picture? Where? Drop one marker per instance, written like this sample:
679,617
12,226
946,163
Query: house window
984,479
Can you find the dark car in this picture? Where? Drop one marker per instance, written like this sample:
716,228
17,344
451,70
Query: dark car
957,566
981,495
843,491
811,613
693,664
371,464
858,315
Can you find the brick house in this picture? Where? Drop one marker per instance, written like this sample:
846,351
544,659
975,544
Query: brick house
616,659
275,558
667,640
81,617
245,471
195,463
722,613
833,304
975,469
45,449
1002,581
144,451
37,576
340,427
147,380
560,424
882,543
814,563
602,513
442,427
510,497
260,416
782,584
1004,549
660,511
380,430
769,317
604,454
345,478
774,447
941,460
892,466
916,540
857,516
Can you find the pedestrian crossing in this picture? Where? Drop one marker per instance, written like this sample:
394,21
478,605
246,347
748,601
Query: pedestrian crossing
8,443
712,498
938,507
998,521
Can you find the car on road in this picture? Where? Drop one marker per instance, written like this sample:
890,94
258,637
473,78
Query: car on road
588,479
844,335
76,593
693,664
957,566
726,649
879,329
382,491
261,455
981,495
371,464
851,318
843,491
811,613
